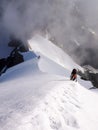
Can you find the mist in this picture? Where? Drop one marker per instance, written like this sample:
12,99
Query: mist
71,24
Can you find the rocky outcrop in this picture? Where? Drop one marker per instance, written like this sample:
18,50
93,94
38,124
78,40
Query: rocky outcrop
2,63
15,56
90,74
14,59
22,47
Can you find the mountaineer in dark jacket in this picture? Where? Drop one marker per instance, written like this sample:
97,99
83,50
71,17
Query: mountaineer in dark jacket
73,75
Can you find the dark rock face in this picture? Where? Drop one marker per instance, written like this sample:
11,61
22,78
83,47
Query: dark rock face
10,61
14,59
90,74
15,56
2,63
19,44
94,79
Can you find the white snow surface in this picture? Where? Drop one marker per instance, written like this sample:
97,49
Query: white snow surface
38,95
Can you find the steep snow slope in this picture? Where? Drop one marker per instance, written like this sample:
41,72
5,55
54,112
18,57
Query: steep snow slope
38,95
47,48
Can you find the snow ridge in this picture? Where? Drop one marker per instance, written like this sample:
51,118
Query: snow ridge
38,94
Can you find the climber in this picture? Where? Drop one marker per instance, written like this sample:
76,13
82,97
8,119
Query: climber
73,75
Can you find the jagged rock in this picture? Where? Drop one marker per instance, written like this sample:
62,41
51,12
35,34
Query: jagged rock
83,75
90,74
22,47
15,56
14,59
94,79
14,43
2,63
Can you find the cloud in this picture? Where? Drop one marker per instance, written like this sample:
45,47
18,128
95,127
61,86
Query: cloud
23,18
68,22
